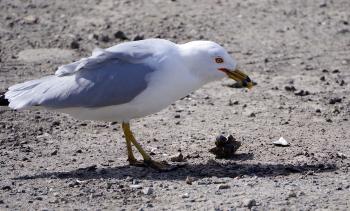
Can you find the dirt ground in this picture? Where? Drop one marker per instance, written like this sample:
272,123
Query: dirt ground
297,51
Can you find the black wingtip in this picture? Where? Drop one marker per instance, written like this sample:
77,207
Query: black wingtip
3,100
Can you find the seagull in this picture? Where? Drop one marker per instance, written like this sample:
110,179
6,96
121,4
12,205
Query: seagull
129,81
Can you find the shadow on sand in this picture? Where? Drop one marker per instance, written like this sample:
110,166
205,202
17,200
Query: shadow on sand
209,169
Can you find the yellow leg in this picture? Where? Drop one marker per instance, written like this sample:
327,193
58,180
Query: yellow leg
131,139
131,156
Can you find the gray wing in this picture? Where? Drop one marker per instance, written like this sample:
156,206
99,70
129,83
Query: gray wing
112,82
106,78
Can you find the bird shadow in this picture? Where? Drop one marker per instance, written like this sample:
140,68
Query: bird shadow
181,171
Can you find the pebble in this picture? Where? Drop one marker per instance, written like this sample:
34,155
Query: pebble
120,35
302,93
6,187
54,152
104,38
74,44
341,155
249,203
3,101
177,158
147,190
93,36
135,186
73,184
223,186
139,37
335,100
185,195
290,88
189,180
281,142
30,19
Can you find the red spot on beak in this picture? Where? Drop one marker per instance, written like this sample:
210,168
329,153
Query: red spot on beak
224,70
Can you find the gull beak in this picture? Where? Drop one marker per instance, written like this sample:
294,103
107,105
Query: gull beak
238,76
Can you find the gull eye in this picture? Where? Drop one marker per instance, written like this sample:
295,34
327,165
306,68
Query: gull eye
219,60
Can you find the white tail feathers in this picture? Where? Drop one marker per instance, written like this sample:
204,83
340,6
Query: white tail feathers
23,95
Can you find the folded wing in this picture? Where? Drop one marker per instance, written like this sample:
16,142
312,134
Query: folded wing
106,78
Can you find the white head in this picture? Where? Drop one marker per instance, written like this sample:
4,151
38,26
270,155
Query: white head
209,61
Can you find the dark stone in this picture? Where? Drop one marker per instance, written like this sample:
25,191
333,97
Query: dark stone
3,101
290,88
335,100
120,35
139,37
104,38
56,123
302,93
74,44
54,152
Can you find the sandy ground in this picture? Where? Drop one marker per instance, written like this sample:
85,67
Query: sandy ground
297,51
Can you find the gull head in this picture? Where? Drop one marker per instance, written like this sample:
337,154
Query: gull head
209,61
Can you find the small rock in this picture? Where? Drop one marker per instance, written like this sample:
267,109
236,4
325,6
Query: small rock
185,195
3,101
147,190
323,4
292,195
6,187
231,103
281,142
252,114
335,100
39,198
343,31
93,36
104,38
54,152
177,158
139,37
189,180
341,155
109,185
223,186
249,203
55,123
120,35
136,186
302,93
30,19
290,88
74,44
73,184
